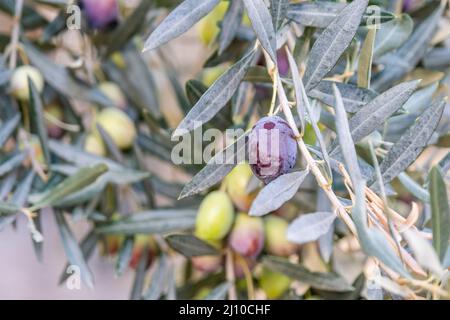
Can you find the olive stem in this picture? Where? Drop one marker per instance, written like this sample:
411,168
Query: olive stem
15,33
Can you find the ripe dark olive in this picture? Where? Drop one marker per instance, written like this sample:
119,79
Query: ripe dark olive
100,14
272,148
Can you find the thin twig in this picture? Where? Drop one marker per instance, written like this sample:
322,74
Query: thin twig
15,34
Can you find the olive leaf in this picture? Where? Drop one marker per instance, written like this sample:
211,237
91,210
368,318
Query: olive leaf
125,255
216,97
152,222
277,192
354,97
398,64
310,227
374,114
190,246
411,144
230,24
73,251
365,59
37,116
82,178
332,42
320,14
219,292
262,25
217,168
440,212
8,127
278,10
179,21
393,34
158,282
323,281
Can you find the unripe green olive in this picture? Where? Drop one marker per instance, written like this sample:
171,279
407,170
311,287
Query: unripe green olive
19,82
247,235
210,75
276,239
274,284
208,26
119,127
236,184
113,92
94,145
215,216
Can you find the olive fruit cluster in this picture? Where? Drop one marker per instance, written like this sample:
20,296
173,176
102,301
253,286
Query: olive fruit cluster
222,221
272,148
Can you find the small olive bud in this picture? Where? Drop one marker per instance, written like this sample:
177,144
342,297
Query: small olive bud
19,82
247,235
215,217
119,127
276,238
272,148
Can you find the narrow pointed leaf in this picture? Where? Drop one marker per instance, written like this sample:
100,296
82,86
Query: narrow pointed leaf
125,255
393,34
262,25
179,21
216,97
8,127
323,281
219,292
333,41
277,192
310,227
365,59
440,212
278,10
190,246
230,24
411,144
73,251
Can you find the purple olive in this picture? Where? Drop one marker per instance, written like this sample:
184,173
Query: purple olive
247,235
272,148
101,14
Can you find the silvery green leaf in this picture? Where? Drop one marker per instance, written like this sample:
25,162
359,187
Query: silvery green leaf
437,58
325,241
124,256
230,24
412,142
37,116
365,59
262,25
440,212
323,281
179,21
332,42
216,97
421,99
11,162
372,240
8,127
354,97
374,114
278,10
219,292
217,168
7,209
345,139
73,251
277,192
393,34
190,246
151,224
424,252
320,14
157,284
310,227
139,278
398,64
413,187
444,164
